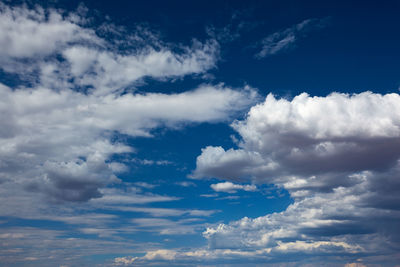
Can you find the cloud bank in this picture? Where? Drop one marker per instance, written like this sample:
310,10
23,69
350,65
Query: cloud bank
60,125
65,113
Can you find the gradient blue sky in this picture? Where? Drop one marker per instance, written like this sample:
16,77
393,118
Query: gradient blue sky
199,133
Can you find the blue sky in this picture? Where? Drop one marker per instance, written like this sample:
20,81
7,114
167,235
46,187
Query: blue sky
199,133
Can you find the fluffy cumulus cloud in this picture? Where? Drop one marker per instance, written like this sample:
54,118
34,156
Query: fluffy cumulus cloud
338,156
310,135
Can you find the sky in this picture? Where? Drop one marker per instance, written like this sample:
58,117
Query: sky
199,133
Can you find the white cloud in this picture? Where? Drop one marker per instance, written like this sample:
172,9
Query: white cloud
67,53
166,257
61,127
334,116
128,196
229,187
146,185
55,139
230,164
152,162
40,140
164,226
51,247
338,156
162,212
209,195
107,71
28,33
164,254
309,136
186,184
124,260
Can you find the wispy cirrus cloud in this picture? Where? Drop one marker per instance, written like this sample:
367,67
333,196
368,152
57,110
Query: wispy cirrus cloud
286,39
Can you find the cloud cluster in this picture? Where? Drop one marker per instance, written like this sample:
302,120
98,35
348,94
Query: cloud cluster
62,138
64,114
309,136
63,51
107,71
61,128
339,158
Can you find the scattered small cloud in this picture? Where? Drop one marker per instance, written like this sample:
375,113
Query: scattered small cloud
164,226
145,185
229,187
186,184
228,198
125,260
152,162
209,195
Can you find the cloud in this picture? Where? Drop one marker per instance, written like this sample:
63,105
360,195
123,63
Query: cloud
27,33
42,125
354,265
152,162
166,257
209,195
51,247
107,71
57,128
163,212
308,136
66,117
338,157
113,196
145,185
231,164
124,260
229,187
164,226
60,51
76,181
186,184
286,39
